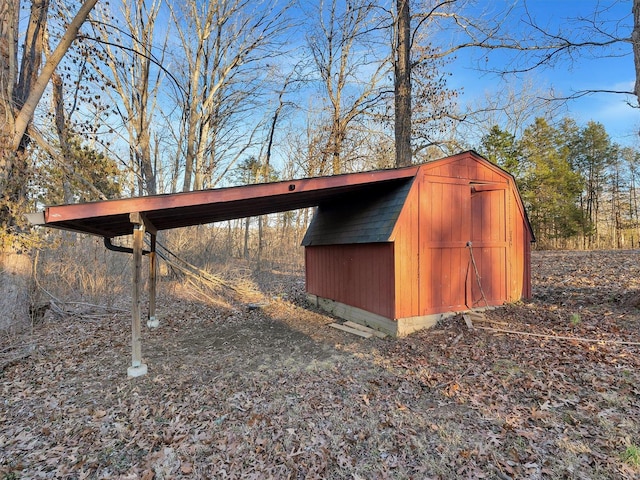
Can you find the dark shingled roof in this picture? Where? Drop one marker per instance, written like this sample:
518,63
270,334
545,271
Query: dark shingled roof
358,218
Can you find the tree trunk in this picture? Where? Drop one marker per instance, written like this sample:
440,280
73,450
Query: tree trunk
245,250
16,286
260,242
9,14
143,154
34,48
402,83
336,148
19,96
635,41
191,150
63,135
38,87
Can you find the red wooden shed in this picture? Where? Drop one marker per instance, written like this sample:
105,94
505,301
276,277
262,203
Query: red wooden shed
395,249
453,237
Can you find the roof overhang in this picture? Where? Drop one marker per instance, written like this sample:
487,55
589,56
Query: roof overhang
112,218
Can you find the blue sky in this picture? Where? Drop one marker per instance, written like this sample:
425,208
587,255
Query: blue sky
607,69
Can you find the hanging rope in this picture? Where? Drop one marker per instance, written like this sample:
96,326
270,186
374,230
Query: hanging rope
477,273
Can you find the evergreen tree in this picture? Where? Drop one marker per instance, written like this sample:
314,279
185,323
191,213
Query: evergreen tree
550,187
89,174
500,147
592,154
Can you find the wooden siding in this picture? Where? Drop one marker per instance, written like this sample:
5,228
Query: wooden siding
464,166
521,252
488,278
526,281
444,232
405,238
358,275
461,238
518,256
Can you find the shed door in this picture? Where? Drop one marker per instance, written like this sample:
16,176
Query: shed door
463,247
487,275
445,206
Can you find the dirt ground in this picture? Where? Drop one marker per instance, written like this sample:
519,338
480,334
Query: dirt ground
546,388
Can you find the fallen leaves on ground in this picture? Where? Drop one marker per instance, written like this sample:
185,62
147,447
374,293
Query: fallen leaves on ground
274,392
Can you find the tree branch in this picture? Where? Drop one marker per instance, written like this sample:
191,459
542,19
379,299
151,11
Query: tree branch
26,112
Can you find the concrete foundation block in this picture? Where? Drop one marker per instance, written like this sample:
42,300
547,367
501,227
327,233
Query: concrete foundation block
137,370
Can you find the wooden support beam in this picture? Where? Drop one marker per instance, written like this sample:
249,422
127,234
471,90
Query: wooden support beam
152,321
137,368
139,218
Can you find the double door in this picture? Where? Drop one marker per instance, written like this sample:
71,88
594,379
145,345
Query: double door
463,245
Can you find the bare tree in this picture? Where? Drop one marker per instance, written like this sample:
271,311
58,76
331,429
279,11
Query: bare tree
225,44
133,71
289,82
21,88
61,123
349,67
635,42
425,110
631,160
402,83
23,80
32,81
595,35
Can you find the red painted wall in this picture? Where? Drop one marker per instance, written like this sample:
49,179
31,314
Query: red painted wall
358,275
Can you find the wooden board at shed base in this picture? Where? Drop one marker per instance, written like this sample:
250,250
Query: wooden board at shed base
353,331
358,329
362,328
397,328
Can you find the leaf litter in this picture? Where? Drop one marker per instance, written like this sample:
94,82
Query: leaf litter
273,392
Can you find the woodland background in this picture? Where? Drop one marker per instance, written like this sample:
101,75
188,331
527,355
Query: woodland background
104,100
117,99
